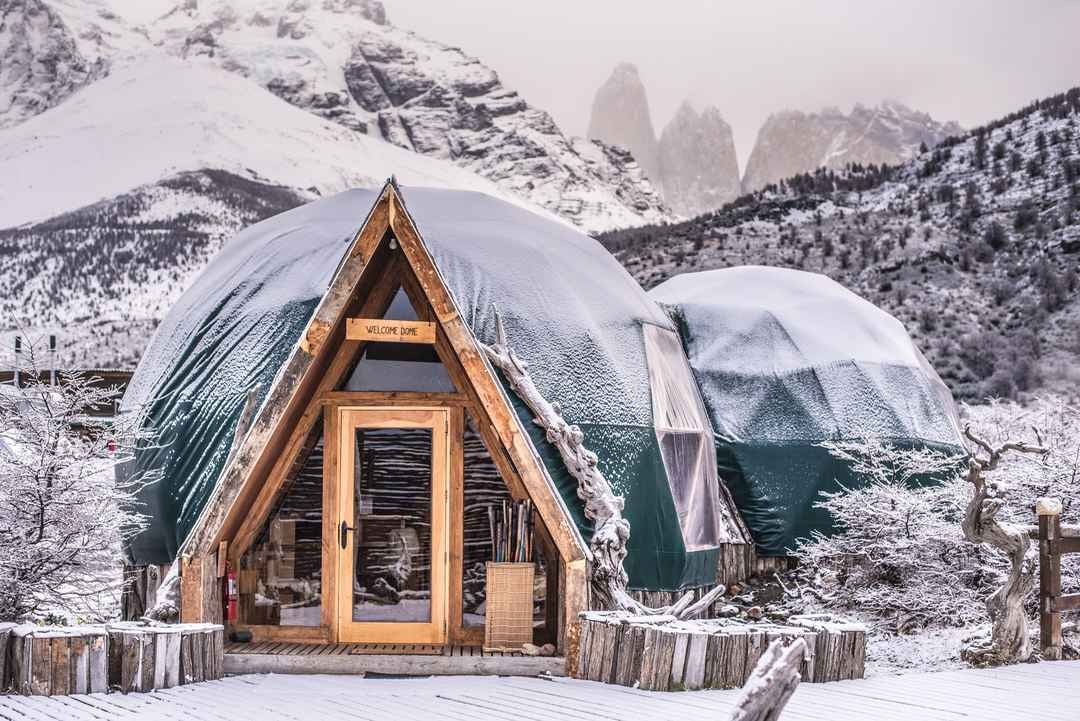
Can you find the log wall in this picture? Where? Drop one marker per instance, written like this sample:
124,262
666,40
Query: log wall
124,657
659,653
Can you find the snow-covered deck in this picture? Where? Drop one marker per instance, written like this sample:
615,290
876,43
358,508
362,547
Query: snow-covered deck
1046,690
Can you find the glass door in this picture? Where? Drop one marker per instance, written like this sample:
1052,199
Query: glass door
392,525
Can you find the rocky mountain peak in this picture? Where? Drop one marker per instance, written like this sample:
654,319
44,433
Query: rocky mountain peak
41,63
620,116
698,163
792,142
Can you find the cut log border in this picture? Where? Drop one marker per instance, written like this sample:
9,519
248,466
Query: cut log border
124,657
662,653
1053,544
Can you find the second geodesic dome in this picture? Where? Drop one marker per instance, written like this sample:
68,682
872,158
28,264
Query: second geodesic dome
787,359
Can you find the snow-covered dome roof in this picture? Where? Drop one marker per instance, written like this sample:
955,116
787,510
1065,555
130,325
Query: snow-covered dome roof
786,359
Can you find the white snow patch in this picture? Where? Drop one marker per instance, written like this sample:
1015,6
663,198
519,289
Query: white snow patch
160,116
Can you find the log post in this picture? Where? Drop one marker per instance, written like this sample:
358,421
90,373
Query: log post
5,656
773,680
1049,512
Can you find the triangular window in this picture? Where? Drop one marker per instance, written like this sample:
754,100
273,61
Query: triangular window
400,366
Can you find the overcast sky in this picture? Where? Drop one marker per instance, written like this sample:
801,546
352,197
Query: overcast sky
967,61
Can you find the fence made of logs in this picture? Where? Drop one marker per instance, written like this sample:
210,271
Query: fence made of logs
1054,542
660,653
122,657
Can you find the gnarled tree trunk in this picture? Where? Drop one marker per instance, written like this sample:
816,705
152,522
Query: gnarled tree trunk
1009,624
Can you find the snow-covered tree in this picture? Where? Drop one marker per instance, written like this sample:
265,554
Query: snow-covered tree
900,556
63,516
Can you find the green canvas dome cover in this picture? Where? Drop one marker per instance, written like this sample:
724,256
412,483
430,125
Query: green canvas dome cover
583,325
786,359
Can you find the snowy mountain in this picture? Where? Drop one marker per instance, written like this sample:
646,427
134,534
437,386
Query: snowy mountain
699,169
111,214
343,61
973,245
793,142
132,149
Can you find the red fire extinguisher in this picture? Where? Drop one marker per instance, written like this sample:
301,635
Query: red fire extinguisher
231,591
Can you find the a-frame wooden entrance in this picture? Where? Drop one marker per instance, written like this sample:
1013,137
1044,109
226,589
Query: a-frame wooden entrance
306,413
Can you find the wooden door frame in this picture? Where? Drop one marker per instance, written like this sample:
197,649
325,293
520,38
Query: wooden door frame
349,418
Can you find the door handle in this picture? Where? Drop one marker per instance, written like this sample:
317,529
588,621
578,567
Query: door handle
344,534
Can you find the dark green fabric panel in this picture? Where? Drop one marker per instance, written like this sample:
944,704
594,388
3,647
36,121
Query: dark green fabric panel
629,457
197,410
776,485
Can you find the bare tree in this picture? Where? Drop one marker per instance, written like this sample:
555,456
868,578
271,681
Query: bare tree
63,515
1009,639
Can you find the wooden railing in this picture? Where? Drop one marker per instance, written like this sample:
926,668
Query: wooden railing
1054,542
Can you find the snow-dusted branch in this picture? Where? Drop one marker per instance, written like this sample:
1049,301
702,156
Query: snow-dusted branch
63,516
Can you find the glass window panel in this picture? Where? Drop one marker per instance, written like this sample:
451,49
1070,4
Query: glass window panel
686,440
392,518
401,308
280,577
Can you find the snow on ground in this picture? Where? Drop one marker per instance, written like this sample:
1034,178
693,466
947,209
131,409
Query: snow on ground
1043,691
159,116
935,649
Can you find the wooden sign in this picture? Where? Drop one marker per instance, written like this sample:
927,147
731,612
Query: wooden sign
394,331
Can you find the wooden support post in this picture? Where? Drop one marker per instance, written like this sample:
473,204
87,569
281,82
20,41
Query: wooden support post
200,590
1049,512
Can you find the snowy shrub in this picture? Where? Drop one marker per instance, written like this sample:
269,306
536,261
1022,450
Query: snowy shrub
900,556
63,517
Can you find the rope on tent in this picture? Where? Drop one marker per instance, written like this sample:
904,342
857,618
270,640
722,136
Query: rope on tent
611,531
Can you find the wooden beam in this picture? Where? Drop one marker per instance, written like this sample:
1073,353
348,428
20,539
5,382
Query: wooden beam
200,590
243,477
1070,602
457,522
391,398
483,381
1050,639
574,592
1065,545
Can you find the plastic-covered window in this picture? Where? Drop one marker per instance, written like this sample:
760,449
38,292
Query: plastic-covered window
685,437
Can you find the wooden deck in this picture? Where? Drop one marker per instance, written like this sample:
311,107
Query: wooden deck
385,659
1041,691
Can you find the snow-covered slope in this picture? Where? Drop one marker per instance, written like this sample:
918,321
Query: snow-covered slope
160,116
116,199
342,60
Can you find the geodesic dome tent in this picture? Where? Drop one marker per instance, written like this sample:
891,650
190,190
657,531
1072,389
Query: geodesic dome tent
595,343
786,359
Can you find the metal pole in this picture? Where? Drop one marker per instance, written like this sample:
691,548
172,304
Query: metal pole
52,360
18,358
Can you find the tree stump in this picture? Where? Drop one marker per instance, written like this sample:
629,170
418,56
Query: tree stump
144,658
57,661
663,653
